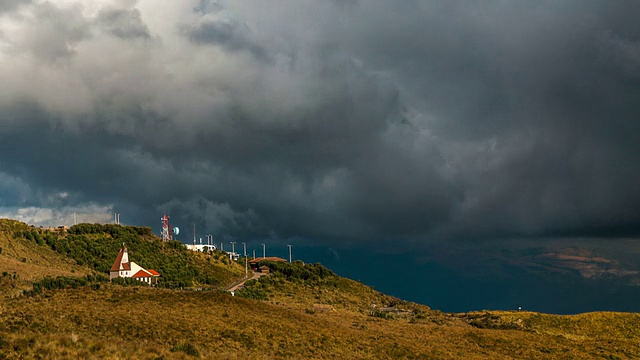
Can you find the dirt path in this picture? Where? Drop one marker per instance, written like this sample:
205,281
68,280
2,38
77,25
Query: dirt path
256,275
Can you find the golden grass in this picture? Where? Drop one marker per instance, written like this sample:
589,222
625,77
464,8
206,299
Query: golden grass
147,323
587,326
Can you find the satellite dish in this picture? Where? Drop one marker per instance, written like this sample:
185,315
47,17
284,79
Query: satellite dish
176,231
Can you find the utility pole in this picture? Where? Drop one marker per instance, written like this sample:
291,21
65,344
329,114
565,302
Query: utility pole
289,246
244,246
233,248
264,251
254,253
221,246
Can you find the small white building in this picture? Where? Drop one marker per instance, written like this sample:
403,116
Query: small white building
200,247
124,268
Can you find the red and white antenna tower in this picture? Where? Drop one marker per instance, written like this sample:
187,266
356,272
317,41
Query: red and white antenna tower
167,231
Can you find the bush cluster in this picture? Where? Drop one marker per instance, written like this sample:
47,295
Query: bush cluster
298,270
63,282
40,237
252,289
128,282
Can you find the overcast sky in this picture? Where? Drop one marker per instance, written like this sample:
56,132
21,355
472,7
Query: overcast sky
324,120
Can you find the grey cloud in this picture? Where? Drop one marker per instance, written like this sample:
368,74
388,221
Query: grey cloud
125,24
226,33
13,191
39,216
53,31
217,218
208,7
10,5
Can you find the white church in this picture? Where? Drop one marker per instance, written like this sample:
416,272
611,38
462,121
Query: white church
124,268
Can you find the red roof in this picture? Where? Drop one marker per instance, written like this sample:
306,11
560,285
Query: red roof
153,272
116,264
142,273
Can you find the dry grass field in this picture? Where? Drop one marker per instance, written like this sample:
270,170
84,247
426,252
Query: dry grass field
146,323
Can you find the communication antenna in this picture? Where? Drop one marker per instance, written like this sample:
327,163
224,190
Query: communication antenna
194,233
167,231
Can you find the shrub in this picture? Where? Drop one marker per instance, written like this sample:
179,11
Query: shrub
128,282
380,314
298,270
62,282
252,290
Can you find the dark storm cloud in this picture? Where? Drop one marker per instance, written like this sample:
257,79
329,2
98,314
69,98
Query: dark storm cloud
227,33
349,120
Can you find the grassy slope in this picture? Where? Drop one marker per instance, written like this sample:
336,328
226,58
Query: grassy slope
609,326
137,322
28,261
305,285
116,322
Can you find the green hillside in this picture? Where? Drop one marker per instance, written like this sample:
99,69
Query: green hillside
97,246
92,249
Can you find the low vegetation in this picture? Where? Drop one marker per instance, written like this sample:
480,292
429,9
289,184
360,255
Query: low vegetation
304,285
147,323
